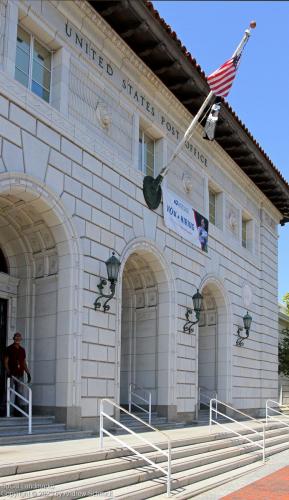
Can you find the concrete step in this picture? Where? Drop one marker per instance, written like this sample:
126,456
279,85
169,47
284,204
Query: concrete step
21,430
138,484
158,422
202,486
142,428
183,458
11,421
195,460
194,445
205,442
212,482
181,480
193,454
43,437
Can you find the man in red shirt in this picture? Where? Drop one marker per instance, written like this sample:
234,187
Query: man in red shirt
15,364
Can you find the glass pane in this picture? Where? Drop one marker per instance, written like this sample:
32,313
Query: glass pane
41,55
22,57
41,75
149,155
212,207
23,40
244,233
21,77
37,89
22,60
140,158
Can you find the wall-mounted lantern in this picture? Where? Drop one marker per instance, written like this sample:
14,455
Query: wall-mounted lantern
112,268
247,320
197,304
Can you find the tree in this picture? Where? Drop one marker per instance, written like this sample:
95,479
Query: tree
284,344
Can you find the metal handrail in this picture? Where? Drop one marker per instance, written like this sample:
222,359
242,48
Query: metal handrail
275,411
131,403
261,434
167,454
27,400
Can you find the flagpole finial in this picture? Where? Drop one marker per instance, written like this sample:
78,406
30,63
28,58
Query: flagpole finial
253,24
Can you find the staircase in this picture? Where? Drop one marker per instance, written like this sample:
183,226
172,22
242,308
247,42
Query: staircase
204,417
285,409
14,430
160,423
199,463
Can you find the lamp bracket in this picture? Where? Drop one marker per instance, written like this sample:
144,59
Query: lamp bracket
101,285
188,326
240,338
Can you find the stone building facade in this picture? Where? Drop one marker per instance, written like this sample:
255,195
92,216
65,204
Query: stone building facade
77,106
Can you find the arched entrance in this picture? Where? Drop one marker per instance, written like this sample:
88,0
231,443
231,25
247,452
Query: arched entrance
42,290
3,329
147,329
214,341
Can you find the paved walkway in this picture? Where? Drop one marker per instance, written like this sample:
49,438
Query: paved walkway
269,482
272,487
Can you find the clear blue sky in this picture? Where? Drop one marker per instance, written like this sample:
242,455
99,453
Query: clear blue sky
211,30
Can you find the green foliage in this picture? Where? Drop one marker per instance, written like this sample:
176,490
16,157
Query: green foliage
284,344
285,299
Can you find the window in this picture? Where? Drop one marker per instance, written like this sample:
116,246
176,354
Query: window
33,64
212,207
146,154
244,233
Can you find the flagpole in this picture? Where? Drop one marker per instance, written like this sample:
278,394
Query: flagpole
188,133
152,187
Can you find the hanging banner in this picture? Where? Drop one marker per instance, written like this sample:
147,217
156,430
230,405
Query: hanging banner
185,220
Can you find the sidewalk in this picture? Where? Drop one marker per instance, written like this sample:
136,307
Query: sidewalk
270,482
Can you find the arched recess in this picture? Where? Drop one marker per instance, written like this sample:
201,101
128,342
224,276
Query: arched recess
43,251
147,303
215,339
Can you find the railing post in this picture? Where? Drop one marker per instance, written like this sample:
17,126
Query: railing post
169,469
8,396
150,408
101,426
29,411
281,395
211,401
264,444
267,412
129,398
216,407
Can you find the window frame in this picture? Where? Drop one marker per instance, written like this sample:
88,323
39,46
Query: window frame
32,39
142,135
212,192
244,226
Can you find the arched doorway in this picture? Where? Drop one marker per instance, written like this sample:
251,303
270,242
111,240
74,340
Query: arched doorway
147,329
214,342
41,248
208,344
3,329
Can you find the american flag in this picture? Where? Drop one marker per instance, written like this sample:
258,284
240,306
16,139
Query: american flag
222,79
